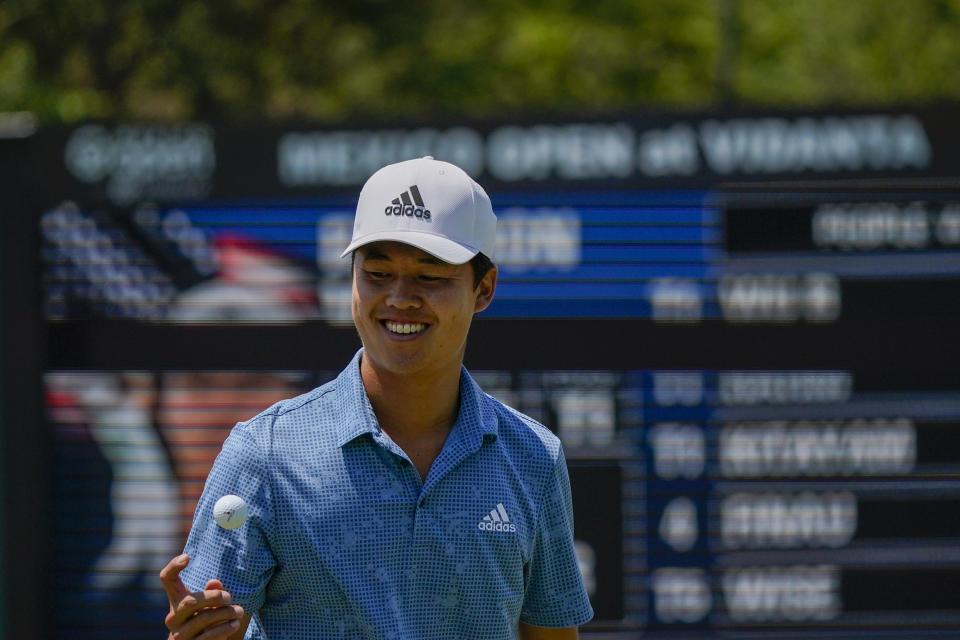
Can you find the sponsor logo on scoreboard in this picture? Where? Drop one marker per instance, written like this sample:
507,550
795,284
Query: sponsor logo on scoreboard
143,161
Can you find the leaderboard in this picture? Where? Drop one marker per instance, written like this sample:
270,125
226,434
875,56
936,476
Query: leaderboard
817,492
745,331
820,499
751,501
798,499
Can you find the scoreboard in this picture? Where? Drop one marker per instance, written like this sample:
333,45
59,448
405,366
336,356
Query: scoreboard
744,329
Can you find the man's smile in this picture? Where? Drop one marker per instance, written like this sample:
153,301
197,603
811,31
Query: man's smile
404,328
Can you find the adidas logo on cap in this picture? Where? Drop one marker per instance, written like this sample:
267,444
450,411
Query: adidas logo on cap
404,206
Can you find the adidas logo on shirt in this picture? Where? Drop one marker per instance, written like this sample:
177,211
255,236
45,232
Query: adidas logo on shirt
498,520
408,203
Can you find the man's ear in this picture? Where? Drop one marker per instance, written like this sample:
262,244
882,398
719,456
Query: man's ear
484,291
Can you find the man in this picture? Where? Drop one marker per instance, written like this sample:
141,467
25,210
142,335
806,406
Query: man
399,500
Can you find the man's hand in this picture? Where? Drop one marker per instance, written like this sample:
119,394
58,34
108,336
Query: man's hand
202,615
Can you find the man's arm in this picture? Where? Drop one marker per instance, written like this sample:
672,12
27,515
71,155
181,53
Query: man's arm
555,596
239,471
529,632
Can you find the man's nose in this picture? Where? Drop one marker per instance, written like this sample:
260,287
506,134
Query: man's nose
404,294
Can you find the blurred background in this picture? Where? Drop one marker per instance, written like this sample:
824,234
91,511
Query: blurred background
729,248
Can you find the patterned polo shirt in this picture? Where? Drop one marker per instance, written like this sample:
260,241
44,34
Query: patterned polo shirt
344,540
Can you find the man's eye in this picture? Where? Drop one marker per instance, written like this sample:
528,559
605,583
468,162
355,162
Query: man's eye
427,278
377,275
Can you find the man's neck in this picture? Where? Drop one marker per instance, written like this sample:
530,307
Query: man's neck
413,407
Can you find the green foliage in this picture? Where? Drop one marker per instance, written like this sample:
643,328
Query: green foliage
240,60
864,52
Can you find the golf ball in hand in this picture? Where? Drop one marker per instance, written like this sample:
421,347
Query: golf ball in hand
230,512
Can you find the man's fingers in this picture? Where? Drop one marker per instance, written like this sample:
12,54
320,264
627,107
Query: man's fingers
221,632
210,620
203,600
204,615
195,602
170,578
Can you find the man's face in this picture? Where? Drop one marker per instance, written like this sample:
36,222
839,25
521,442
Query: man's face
412,310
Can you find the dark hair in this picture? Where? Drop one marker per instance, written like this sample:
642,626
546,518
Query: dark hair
480,263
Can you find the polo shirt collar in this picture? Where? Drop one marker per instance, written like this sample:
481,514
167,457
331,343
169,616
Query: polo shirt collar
358,418
356,413
473,401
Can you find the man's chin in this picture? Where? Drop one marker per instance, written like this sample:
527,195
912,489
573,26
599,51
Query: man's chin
388,360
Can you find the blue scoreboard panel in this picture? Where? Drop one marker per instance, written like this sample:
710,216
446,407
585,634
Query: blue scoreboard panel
752,387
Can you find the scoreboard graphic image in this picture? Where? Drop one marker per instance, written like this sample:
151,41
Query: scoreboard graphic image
744,329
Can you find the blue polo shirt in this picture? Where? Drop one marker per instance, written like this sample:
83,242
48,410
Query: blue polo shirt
344,540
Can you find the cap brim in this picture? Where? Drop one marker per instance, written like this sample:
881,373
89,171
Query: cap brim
437,246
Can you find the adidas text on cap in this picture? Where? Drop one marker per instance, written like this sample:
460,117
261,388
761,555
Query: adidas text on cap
429,204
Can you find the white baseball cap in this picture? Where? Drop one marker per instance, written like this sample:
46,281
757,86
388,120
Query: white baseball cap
432,205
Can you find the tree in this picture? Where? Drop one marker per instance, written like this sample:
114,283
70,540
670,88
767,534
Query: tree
242,60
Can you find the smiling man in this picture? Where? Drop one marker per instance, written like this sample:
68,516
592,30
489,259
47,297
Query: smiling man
398,500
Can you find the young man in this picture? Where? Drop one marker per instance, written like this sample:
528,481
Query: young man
398,500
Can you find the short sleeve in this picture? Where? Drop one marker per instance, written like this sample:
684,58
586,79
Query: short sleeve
555,595
240,558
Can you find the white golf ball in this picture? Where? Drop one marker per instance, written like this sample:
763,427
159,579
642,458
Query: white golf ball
230,512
